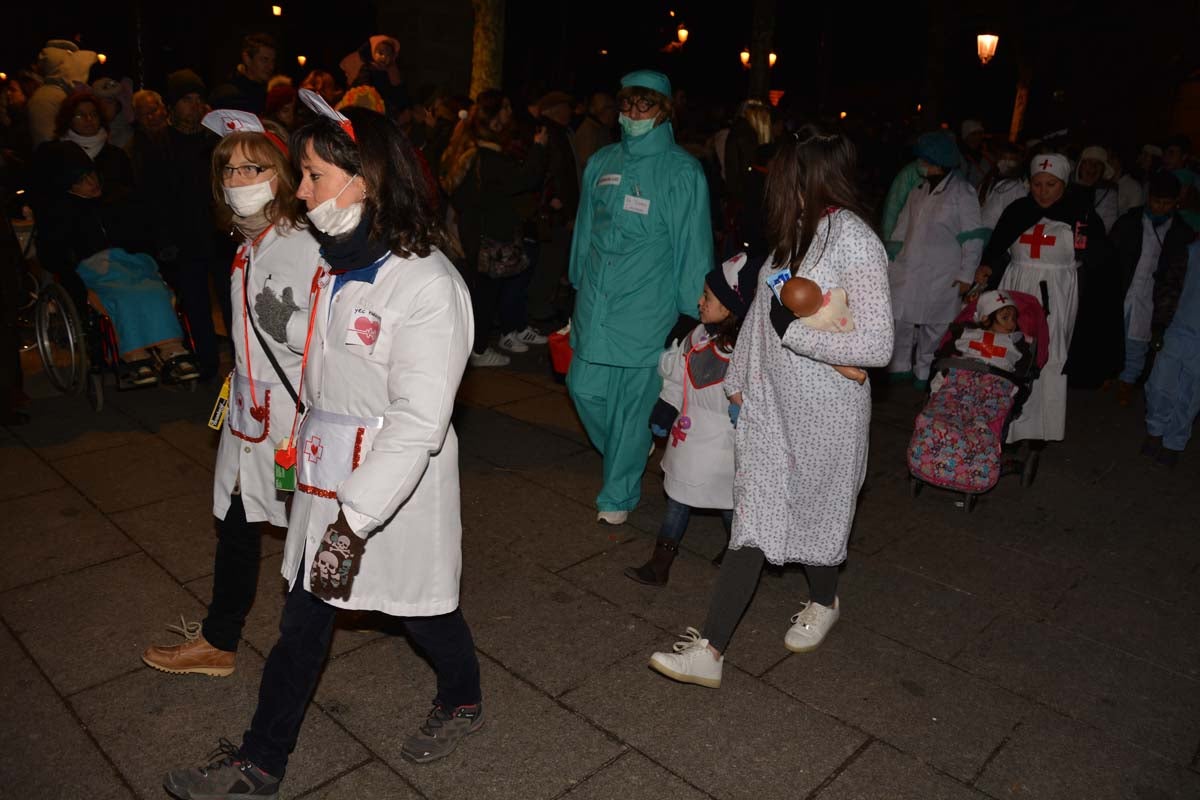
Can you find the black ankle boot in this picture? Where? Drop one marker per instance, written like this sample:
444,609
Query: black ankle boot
656,571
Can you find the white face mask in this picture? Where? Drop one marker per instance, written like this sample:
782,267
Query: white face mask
333,221
249,200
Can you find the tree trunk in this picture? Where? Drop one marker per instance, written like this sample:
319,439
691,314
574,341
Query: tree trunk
487,59
761,40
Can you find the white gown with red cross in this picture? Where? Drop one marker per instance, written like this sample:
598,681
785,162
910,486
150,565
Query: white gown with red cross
1046,252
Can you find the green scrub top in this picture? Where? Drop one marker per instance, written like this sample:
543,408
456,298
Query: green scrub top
642,246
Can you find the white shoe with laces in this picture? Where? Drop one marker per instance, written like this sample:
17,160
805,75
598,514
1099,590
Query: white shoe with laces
612,517
512,344
692,662
810,625
528,336
489,358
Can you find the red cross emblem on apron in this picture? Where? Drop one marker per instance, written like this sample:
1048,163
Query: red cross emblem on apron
1036,239
988,347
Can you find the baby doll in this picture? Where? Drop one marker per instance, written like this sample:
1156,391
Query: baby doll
828,311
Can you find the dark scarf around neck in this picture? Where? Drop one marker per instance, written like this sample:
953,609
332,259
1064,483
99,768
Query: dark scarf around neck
354,250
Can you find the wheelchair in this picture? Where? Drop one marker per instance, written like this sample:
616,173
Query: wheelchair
79,349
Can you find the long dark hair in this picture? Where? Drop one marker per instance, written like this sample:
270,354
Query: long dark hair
398,195
811,172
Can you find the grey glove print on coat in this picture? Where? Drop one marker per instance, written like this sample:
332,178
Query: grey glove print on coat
274,312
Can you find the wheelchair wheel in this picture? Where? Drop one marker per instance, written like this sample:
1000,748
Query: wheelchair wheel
60,339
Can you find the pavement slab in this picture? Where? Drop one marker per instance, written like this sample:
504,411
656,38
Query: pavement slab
882,771
508,442
490,388
151,723
372,780
550,410
23,472
54,532
66,426
194,439
529,746
90,626
1051,757
709,736
634,777
181,534
47,752
1126,697
526,631
915,703
149,472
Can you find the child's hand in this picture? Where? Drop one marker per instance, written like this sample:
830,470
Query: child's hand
662,417
855,374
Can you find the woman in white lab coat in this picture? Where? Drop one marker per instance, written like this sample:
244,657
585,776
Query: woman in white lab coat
255,189
942,236
375,523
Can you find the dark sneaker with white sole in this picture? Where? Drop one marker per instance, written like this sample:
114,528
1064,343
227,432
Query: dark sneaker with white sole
228,776
441,732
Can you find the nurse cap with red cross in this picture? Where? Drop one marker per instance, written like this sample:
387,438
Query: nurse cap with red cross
1056,164
225,121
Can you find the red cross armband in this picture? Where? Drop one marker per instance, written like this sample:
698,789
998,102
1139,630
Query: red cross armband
285,466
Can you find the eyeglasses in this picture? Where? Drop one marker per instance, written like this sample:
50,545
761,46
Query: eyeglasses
86,115
642,104
247,171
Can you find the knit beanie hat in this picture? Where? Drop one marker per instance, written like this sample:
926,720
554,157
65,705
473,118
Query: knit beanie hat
183,82
1096,153
734,283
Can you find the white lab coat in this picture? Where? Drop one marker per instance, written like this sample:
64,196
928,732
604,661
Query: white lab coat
922,276
698,462
999,197
246,454
384,364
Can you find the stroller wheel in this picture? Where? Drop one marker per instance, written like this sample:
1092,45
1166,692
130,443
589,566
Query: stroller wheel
94,389
1029,472
915,485
969,502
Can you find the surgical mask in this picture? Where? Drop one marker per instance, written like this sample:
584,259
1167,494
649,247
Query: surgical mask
247,201
333,221
1005,166
635,127
1156,219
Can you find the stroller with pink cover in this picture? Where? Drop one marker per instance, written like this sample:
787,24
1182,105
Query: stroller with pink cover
959,435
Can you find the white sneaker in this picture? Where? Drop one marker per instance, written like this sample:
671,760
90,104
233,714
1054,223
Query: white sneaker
512,344
612,517
529,336
692,662
810,625
489,358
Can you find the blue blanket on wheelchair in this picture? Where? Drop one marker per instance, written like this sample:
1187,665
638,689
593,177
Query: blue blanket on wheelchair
134,295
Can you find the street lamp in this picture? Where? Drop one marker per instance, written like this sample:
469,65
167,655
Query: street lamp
985,45
300,60
277,10
745,56
682,33
771,59
101,57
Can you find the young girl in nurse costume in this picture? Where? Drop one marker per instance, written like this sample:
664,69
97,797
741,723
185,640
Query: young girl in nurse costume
255,189
375,523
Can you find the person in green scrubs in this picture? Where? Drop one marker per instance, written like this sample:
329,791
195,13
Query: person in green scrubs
643,244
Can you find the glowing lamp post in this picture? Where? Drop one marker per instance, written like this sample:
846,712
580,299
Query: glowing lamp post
682,33
101,57
985,45
771,59
277,10
300,60
745,56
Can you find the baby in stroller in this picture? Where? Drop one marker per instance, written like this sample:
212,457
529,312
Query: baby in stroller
986,364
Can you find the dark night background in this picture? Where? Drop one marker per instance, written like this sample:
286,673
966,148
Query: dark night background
1113,70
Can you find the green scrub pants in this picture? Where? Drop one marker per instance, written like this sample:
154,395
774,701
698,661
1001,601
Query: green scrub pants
614,404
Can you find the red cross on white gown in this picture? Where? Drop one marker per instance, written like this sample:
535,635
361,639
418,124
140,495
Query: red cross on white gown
1036,239
988,347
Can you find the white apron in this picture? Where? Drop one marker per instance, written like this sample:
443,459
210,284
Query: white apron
1046,252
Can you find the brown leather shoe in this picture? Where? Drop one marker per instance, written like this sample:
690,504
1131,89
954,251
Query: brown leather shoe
1124,394
193,656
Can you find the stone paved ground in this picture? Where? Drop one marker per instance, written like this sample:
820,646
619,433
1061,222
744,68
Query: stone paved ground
1045,646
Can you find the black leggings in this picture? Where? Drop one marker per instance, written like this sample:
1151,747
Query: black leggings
735,588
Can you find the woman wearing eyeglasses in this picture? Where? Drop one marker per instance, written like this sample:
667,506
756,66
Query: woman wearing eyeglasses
255,190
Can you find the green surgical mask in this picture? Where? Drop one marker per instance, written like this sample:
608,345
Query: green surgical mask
636,127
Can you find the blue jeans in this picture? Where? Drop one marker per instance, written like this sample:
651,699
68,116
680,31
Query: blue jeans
1135,356
675,521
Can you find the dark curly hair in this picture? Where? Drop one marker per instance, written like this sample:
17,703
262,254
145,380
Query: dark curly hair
398,193
66,112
